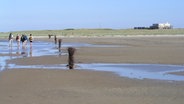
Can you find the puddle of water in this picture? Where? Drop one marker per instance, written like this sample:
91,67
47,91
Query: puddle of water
137,71
140,71
57,66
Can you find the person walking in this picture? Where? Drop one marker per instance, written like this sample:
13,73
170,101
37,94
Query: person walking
24,40
10,38
18,40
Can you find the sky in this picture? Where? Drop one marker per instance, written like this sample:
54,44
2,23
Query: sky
17,15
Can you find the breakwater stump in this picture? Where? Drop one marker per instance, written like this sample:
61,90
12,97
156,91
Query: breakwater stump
59,44
71,52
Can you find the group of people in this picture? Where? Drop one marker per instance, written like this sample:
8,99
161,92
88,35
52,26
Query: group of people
19,39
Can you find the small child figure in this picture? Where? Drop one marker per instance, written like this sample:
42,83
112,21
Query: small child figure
30,39
18,40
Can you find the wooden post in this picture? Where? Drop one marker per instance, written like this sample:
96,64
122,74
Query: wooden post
71,52
55,39
49,36
59,44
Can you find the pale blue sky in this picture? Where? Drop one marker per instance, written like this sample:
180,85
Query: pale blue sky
61,14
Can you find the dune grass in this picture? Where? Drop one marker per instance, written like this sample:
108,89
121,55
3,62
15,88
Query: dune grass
96,32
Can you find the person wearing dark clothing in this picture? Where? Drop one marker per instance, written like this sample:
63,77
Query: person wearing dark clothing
24,40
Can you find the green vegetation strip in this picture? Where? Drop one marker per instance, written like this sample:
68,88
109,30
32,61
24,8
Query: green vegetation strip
97,32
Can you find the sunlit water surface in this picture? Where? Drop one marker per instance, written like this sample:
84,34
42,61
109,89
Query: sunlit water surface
40,48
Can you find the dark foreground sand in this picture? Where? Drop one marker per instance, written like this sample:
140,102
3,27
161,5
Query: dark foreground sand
38,86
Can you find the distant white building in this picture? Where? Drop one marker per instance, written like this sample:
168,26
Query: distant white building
161,26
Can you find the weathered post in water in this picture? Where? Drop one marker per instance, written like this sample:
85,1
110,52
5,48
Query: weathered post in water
50,35
59,43
55,39
71,52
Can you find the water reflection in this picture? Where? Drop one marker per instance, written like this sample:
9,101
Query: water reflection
36,49
30,51
10,52
18,51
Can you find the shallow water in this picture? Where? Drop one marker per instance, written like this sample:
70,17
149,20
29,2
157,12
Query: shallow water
40,48
138,71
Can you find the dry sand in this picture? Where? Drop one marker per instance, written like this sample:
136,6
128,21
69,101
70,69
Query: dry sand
38,86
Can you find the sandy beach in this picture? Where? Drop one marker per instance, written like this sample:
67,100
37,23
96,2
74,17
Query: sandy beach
44,86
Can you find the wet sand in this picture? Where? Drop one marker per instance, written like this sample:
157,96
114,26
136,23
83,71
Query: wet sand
149,50
38,86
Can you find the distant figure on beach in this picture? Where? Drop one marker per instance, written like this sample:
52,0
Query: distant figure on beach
59,43
31,39
55,39
50,36
18,40
24,40
10,38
